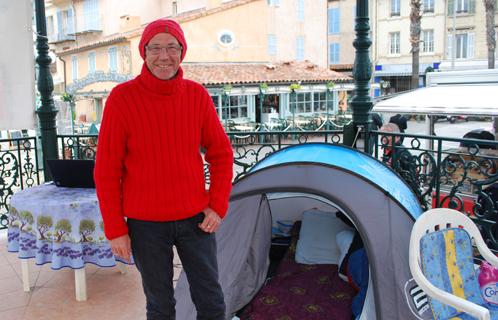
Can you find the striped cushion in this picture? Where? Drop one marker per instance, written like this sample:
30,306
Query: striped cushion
447,263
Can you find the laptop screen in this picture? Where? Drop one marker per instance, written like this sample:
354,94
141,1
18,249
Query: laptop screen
72,173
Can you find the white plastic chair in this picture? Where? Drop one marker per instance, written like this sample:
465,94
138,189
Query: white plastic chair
440,219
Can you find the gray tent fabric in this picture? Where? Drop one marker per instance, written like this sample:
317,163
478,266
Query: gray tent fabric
243,241
245,235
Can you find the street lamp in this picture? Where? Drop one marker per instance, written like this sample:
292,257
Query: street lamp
47,111
362,72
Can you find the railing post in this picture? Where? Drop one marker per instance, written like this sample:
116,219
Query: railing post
362,72
47,111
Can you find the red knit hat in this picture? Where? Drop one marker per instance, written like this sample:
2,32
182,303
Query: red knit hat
166,26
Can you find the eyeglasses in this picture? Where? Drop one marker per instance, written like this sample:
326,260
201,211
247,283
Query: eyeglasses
171,50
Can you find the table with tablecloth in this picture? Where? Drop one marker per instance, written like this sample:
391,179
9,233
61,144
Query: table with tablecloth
61,226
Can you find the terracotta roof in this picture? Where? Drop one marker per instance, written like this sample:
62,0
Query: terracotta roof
247,73
102,43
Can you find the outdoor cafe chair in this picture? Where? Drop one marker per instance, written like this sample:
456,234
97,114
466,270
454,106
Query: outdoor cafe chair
442,263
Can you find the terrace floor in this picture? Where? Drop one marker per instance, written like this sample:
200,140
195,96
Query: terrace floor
111,295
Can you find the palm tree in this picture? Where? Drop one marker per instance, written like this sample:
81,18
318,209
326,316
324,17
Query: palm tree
415,18
489,5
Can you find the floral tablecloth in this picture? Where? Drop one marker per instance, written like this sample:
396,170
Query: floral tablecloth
58,225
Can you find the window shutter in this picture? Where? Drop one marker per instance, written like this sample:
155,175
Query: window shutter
337,20
449,46
472,6
470,45
59,24
272,45
330,20
70,21
451,7
337,50
354,16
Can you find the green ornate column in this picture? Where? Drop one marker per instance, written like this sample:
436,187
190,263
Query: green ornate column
46,112
361,102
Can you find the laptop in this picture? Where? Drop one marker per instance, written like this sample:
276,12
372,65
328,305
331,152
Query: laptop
72,173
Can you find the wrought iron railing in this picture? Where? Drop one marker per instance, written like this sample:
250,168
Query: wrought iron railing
438,169
249,147
19,169
447,172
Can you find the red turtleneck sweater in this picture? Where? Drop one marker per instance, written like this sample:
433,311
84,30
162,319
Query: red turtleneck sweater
149,165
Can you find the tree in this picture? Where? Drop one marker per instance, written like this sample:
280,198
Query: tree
26,219
87,227
490,6
13,216
44,224
415,19
62,227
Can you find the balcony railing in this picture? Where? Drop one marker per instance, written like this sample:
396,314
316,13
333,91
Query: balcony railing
447,172
441,172
18,170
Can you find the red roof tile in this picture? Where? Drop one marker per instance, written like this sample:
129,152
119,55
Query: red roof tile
246,73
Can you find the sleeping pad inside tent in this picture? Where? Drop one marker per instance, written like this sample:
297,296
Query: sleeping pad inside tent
316,231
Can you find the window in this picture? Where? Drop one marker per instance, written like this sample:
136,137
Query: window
226,38
237,107
334,20
428,6
464,46
300,10
74,67
311,102
216,102
91,62
334,53
91,14
394,45
113,59
300,48
174,8
320,102
395,7
462,6
50,27
65,24
273,3
428,40
302,103
272,44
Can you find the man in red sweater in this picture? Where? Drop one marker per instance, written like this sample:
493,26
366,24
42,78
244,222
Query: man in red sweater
149,175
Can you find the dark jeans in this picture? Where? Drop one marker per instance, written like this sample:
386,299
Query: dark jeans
152,247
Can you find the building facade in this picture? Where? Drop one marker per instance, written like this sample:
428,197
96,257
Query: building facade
441,48
96,41
466,46
340,34
392,55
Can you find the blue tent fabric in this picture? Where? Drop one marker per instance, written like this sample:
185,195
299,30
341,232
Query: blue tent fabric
350,160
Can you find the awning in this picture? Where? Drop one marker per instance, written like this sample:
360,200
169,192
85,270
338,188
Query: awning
468,99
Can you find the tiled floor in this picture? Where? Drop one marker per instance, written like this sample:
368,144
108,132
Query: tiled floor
111,295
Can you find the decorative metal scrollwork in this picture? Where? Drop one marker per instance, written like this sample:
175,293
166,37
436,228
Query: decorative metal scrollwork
18,170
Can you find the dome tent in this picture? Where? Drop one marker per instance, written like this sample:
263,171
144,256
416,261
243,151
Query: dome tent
379,203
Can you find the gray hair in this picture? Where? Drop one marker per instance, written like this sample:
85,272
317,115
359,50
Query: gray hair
390,127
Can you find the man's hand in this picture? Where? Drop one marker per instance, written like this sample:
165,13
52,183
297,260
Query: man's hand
211,221
121,247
